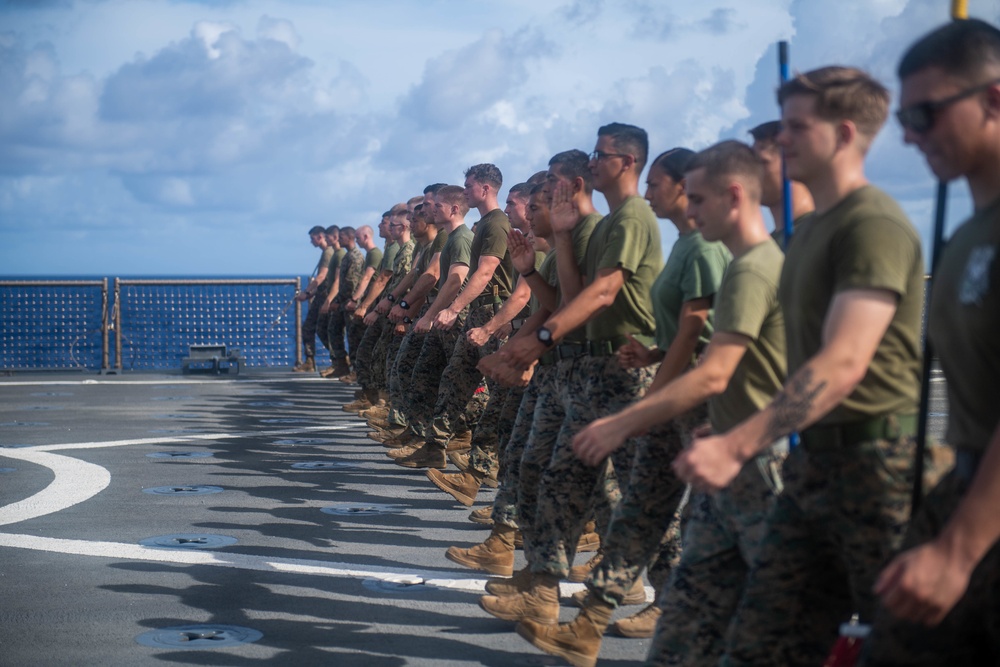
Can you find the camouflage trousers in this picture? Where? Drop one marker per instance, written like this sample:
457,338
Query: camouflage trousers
970,633
362,358
393,339
722,535
356,329
591,387
335,335
377,372
426,377
647,520
400,375
310,325
461,382
505,504
494,427
841,517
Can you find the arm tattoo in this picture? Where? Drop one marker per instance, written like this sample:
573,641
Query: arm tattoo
792,405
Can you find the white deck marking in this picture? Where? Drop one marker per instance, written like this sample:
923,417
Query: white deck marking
121,550
76,481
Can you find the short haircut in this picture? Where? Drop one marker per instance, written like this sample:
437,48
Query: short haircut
628,139
316,230
732,159
348,232
674,163
433,188
332,229
766,133
419,199
453,195
485,174
520,191
843,93
573,164
367,230
399,209
536,189
537,177
963,49
387,214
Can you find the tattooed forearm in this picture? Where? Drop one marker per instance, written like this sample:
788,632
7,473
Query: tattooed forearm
792,405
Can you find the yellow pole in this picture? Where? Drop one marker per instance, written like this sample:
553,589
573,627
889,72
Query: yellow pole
959,9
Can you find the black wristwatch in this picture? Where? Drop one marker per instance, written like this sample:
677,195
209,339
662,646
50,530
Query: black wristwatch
391,298
544,336
402,304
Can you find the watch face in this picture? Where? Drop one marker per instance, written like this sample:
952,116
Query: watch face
544,335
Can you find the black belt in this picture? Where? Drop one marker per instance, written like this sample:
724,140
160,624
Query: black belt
890,427
563,351
487,300
605,348
517,324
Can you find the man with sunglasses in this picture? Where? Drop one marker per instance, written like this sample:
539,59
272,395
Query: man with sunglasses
852,292
940,597
609,295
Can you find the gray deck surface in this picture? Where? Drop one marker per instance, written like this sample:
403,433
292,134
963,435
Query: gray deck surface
76,588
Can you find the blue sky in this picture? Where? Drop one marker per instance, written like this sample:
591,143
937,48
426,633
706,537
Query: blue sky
146,137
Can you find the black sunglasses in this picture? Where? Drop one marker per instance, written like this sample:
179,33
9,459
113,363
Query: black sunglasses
920,117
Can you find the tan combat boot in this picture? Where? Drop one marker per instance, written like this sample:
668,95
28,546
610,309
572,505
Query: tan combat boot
590,540
401,452
350,378
635,595
460,460
519,583
326,372
579,642
462,486
427,456
461,442
407,437
540,603
579,573
307,366
482,516
340,369
495,555
640,625
357,405
379,435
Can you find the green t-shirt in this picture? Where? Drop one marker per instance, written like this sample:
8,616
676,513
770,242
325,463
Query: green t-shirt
863,242
491,241
627,238
964,325
747,304
334,268
424,261
324,263
389,257
693,271
779,232
373,258
457,250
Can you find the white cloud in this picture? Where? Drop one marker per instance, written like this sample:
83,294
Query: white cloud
171,119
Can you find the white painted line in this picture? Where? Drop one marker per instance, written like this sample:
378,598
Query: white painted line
195,437
120,550
75,481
